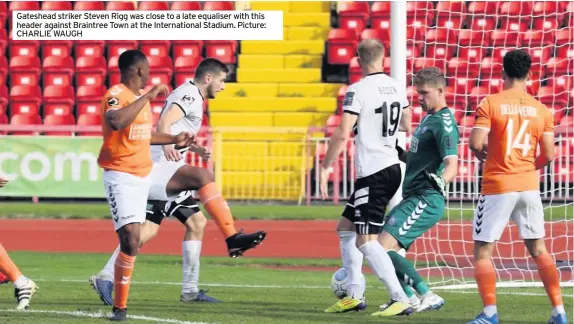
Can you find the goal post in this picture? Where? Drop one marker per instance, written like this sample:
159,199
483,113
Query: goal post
467,41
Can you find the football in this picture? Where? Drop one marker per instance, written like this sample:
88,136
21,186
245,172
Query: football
339,283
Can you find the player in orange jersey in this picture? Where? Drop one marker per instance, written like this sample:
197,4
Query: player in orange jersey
24,288
508,127
125,156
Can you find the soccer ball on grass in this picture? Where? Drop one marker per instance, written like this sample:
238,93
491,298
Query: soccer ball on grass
339,283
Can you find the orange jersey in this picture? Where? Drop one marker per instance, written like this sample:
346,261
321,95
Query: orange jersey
126,150
516,121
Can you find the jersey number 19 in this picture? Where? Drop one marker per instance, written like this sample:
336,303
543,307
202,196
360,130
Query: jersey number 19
391,116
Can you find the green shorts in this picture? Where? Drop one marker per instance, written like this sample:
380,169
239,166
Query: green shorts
413,216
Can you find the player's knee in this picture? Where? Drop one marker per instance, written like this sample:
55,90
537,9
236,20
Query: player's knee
204,177
130,239
345,225
535,247
196,223
483,250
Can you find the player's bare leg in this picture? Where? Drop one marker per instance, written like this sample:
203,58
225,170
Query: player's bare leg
194,178
409,277
24,288
550,278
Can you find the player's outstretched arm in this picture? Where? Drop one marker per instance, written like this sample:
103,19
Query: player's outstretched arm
181,139
336,145
164,124
121,118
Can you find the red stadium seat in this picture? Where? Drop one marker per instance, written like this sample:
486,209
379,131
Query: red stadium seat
3,41
24,119
120,5
161,69
380,34
450,9
467,121
187,63
564,36
469,54
3,95
90,70
153,5
515,24
545,23
3,13
156,108
218,5
463,67
58,70
467,37
3,69
25,70
422,9
23,47
89,5
561,84
559,66
537,38
58,100
440,35
186,48
89,120
417,114
476,95
223,50
483,8
186,5
494,85
56,48
56,5
454,23
462,86
59,120
547,96
490,68
550,9
355,73
117,47
533,84
540,54
424,62
89,99
565,51
515,8
484,23
89,48
155,48
500,37
341,46
416,32
3,121
381,15
353,15
23,5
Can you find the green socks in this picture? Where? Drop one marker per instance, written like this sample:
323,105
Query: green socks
407,275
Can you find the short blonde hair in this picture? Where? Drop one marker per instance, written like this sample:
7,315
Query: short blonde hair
370,50
431,76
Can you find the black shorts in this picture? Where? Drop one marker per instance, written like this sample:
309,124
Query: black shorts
367,205
182,208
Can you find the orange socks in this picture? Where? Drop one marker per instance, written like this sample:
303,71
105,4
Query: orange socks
549,275
7,266
122,279
218,209
486,281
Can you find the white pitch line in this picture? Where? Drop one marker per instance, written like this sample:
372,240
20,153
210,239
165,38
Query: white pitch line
167,283
99,315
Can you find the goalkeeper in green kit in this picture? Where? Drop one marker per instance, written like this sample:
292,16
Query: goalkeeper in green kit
432,163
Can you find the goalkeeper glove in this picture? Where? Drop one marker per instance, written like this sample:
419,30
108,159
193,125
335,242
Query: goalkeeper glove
437,182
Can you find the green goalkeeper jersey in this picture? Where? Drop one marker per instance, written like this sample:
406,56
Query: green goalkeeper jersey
434,139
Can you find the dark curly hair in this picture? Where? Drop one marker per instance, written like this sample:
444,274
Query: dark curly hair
516,64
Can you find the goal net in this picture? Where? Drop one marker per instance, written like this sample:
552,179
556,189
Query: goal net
468,40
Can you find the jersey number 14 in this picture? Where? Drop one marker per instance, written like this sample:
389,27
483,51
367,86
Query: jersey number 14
522,139
390,117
